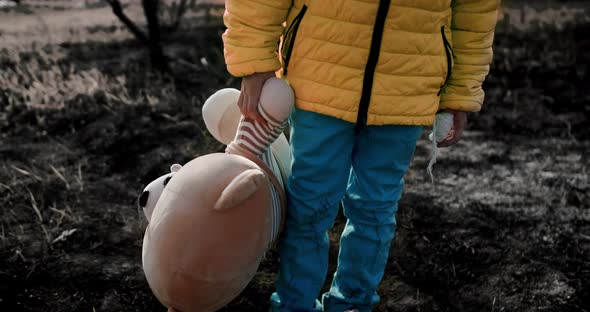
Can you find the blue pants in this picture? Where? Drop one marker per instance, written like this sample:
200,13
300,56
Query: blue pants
365,171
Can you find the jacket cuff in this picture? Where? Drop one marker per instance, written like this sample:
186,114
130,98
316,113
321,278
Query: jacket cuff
255,66
462,103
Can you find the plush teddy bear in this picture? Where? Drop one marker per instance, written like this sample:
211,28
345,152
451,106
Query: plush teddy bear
151,193
212,220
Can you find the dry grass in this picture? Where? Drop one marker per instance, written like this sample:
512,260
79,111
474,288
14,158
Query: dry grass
84,124
538,14
41,79
59,72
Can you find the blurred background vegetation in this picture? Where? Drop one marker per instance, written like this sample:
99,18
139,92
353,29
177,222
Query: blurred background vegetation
99,97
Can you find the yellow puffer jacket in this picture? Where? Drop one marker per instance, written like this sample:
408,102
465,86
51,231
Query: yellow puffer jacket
371,62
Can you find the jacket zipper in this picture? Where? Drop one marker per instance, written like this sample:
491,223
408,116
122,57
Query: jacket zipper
293,28
368,78
449,54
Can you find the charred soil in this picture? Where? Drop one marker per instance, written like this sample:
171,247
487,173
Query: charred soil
85,124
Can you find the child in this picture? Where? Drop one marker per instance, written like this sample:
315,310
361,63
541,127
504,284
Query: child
367,76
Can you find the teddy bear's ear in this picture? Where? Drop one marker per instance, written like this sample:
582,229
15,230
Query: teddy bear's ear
240,189
175,168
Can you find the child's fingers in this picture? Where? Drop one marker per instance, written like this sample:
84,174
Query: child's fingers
247,105
451,139
247,109
459,123
253,109
250,95
241,104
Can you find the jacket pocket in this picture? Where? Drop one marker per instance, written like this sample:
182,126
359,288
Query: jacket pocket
289,38
449,56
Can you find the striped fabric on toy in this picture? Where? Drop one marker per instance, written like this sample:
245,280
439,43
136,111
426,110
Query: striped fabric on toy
256,137
270,160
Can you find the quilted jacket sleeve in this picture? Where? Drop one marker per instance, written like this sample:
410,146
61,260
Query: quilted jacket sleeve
473,25
252,35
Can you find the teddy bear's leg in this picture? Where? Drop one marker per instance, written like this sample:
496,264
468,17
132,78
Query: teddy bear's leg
256,137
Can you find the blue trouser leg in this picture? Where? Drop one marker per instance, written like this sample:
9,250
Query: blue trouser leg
381,157
329,163
322,148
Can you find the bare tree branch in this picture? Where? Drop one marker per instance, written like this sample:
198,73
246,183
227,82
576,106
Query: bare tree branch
180,11
118,11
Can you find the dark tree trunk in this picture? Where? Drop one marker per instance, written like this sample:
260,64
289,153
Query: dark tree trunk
158,59
153,38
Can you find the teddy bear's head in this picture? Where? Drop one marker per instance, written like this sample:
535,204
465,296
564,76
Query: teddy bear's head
151,193
208,232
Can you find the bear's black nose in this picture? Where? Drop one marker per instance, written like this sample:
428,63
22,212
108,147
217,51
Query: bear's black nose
143,198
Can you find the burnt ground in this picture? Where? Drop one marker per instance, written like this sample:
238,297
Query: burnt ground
85,124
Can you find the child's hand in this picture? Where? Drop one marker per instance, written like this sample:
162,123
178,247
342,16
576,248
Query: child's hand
250,95
459,123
